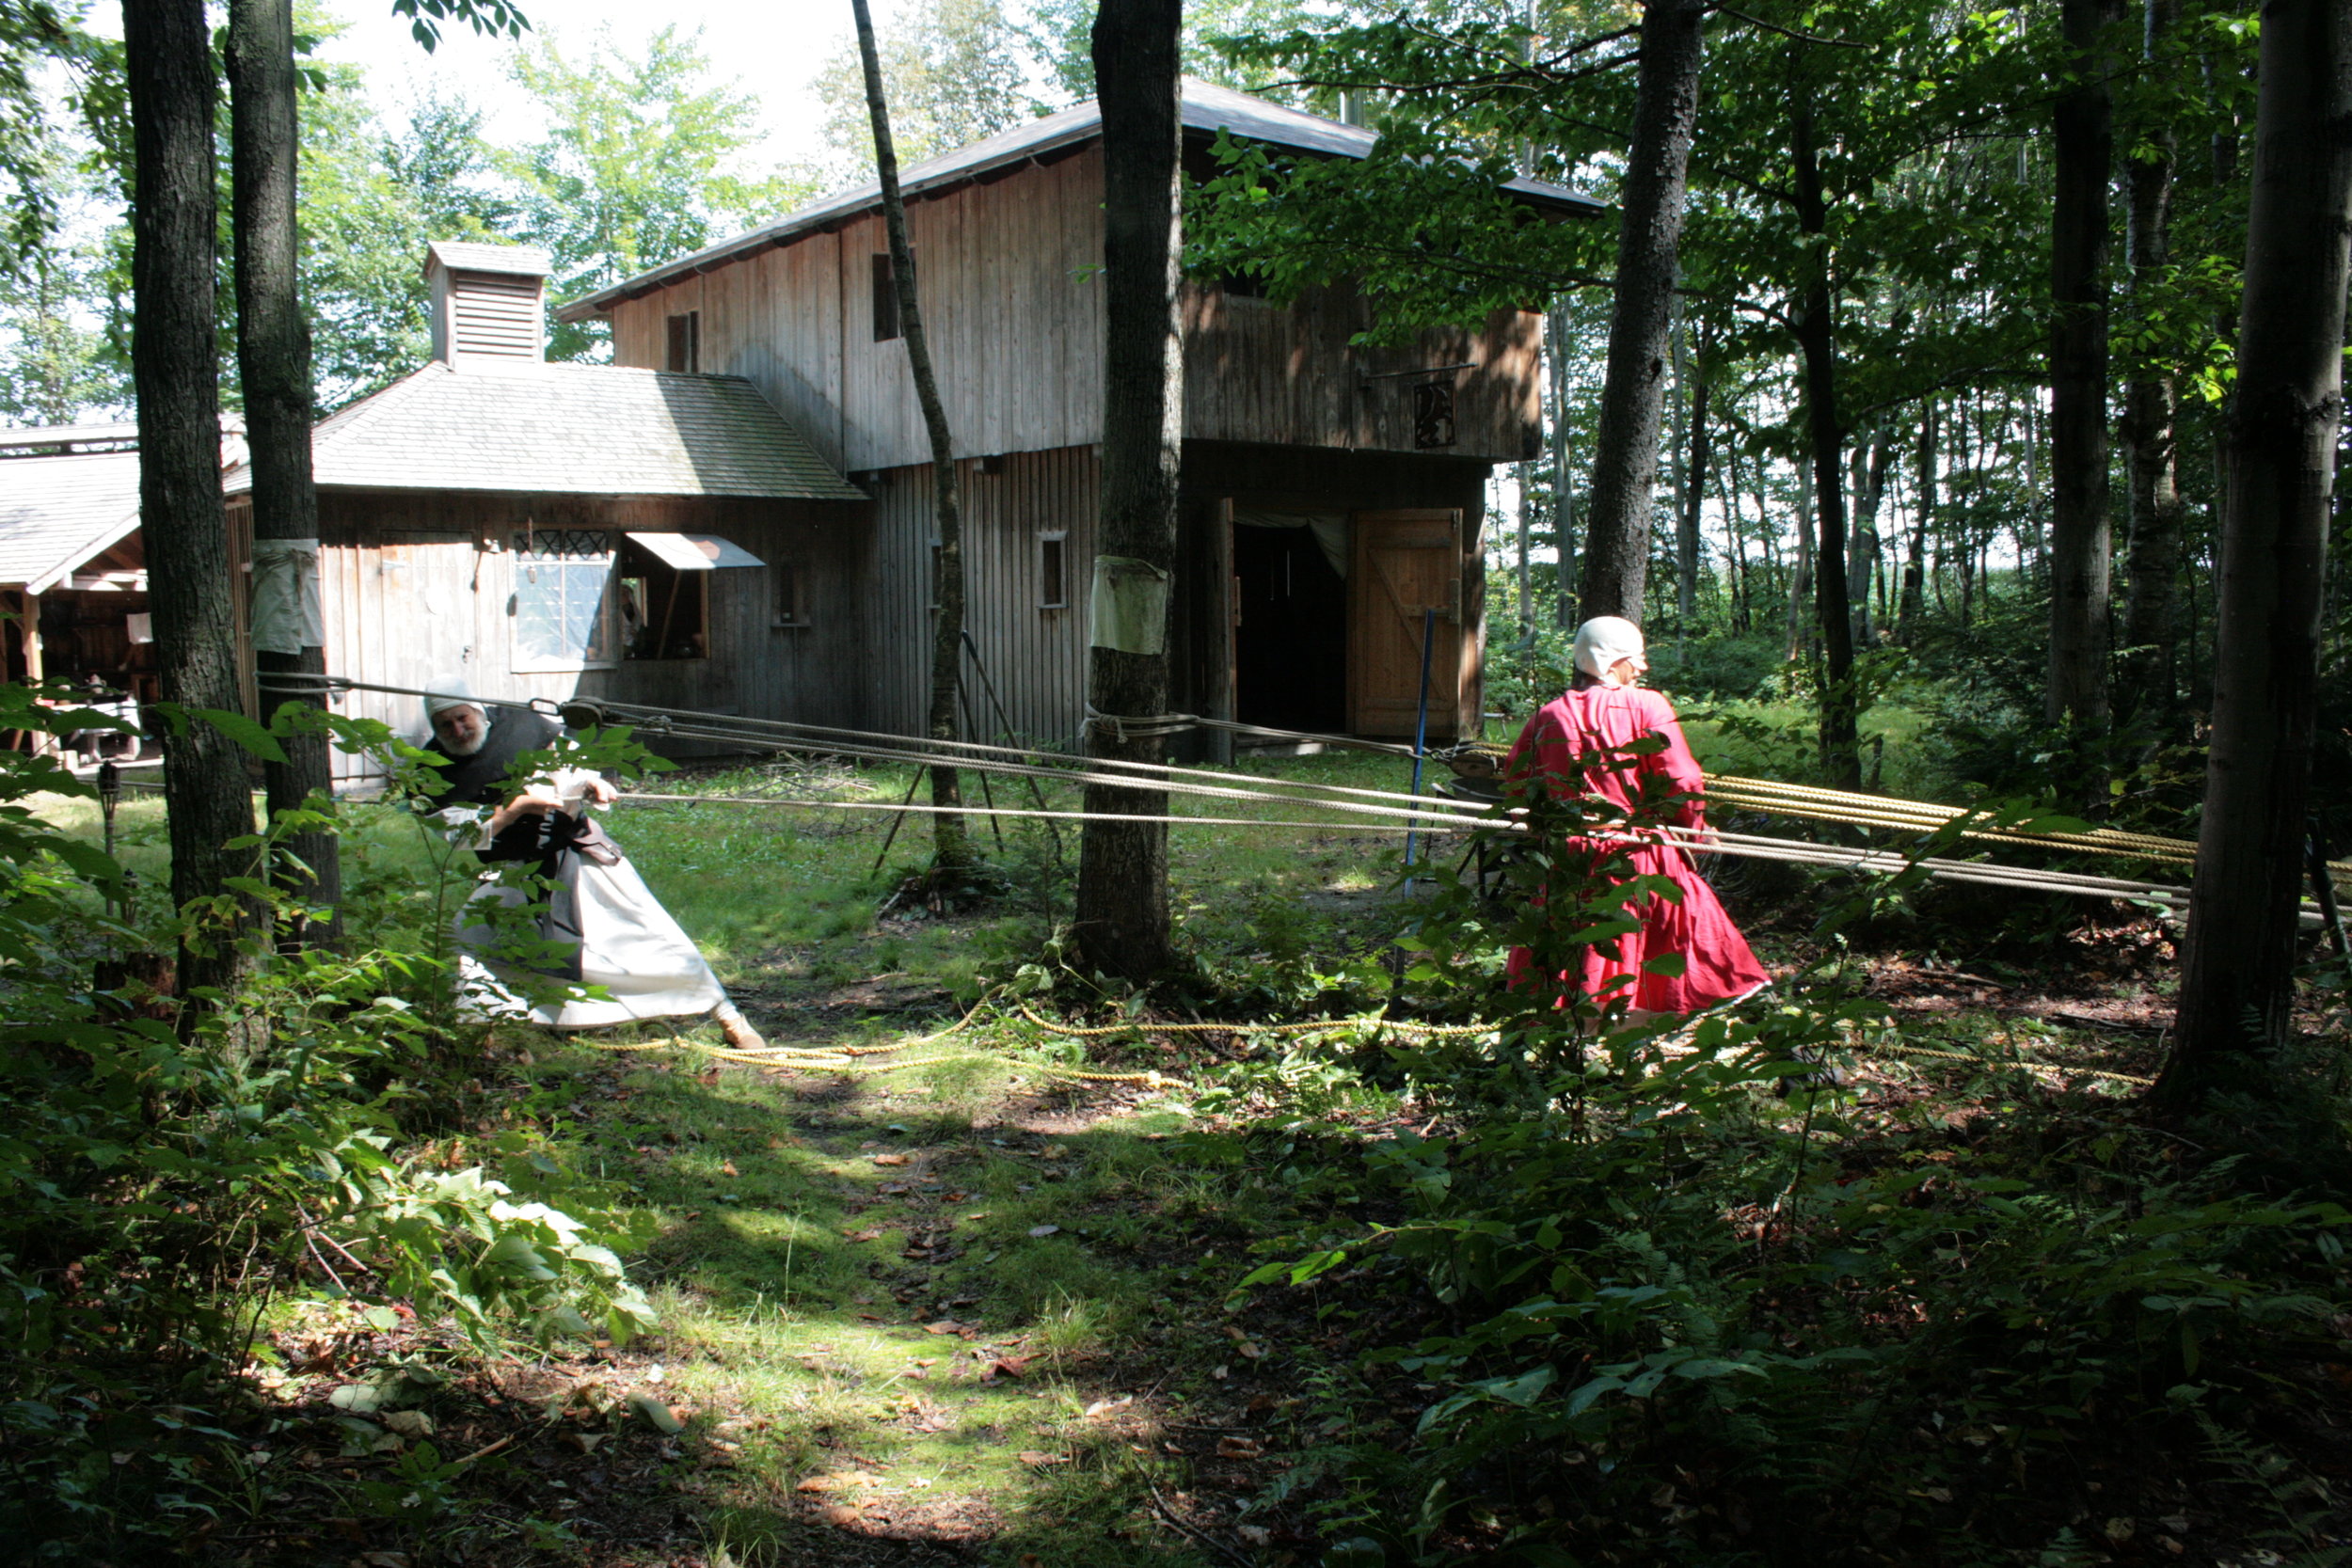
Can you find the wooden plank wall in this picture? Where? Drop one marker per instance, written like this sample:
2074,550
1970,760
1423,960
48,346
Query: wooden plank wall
1010,303
413,598
1258,372
1036,657
774,319
1015,317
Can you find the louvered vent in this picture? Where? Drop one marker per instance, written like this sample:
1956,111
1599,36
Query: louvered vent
487,302
494,315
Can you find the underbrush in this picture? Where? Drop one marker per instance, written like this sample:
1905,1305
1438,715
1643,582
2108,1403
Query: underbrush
174,1178
1703,1297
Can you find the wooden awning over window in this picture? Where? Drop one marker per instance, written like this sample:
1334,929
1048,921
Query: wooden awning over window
694,553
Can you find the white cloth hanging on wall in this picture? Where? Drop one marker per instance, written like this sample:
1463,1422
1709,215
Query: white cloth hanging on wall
1128,608
287,613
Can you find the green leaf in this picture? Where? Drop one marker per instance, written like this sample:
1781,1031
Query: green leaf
245,732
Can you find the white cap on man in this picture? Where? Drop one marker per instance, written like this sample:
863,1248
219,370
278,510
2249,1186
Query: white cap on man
1604,640
454,695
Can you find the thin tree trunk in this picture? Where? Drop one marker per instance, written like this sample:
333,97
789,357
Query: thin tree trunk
1736,527
1624,462
951,846
1841,756
1801,577
1913,602
1122,868
2083,147
1694,489
1527,529
274,369
1562,471
2153,567
175,370
1861,541
2238,976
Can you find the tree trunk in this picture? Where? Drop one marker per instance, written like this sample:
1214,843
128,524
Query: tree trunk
1562,493
1625,462
1817,340
2237,976
1801,576
1862,538
1122,866
2152,566
1527,532
1914,601
1693,490
951,847
175,371
274,369
2083,150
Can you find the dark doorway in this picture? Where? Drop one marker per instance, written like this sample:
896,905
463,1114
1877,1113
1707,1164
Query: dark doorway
1290,649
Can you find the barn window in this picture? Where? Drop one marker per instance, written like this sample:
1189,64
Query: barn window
686,342
561,608
1053,579
885,299
791,585
665,592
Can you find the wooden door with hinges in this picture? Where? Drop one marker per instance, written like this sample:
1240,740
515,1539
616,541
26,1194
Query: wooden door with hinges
1402,565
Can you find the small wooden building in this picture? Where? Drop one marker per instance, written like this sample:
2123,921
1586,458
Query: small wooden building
73,572
535,529
1332,493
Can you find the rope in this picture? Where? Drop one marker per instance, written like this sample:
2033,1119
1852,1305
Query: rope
1986,1061
1139,1027
1010,810
1416,816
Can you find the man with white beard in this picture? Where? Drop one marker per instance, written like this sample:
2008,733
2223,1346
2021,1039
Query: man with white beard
617,934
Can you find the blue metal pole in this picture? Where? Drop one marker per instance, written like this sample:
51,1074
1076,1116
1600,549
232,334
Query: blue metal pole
1420,720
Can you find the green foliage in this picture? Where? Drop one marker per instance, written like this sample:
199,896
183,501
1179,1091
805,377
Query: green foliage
642,163
165,1174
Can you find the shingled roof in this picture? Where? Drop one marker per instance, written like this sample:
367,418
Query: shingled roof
1208,108
577,429
56,513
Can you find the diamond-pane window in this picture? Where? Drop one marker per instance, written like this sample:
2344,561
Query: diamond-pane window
563,609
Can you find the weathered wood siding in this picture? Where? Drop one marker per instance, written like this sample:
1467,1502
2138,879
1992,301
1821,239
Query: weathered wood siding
418,592
1033,655
1256,372
1007,273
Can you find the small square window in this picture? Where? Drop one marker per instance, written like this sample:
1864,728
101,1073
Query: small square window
791,584
563,605
1053,577
885,299
686,342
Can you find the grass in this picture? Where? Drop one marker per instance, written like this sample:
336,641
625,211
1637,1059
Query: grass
963,1302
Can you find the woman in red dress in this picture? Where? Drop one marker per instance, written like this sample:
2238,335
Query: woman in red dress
1603,712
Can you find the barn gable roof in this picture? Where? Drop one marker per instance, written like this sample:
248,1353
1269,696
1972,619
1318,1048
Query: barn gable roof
57,512
576,429
1207,108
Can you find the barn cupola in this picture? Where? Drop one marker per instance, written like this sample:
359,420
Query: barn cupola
488,302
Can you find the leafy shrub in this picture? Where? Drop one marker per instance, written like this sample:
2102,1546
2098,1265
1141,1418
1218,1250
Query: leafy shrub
163,1176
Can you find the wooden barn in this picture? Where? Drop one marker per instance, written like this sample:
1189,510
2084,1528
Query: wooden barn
1331,493
537,530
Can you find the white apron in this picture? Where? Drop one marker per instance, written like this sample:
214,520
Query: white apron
627,943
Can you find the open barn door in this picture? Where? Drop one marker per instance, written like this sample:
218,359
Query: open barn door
1404,563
